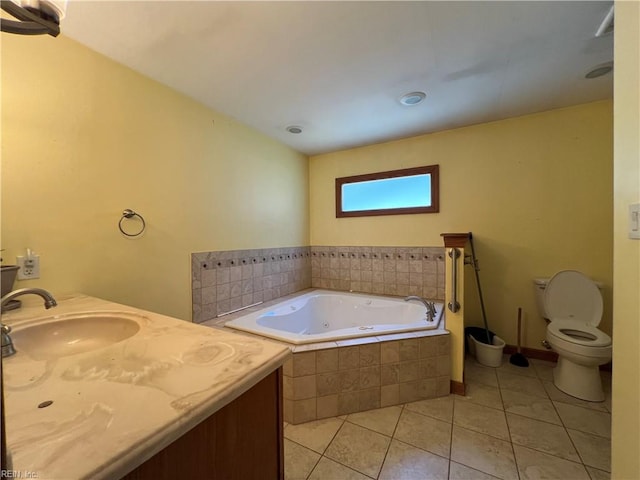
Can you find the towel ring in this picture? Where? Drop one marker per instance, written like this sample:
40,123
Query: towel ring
128,213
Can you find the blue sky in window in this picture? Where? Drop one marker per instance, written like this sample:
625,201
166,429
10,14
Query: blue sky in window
399,192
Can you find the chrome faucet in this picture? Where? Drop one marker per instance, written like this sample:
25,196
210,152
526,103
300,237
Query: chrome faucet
430,306
49,301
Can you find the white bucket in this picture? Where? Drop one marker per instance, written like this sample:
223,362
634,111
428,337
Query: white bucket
487,355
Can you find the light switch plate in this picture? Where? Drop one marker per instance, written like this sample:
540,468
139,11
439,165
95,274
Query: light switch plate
634,220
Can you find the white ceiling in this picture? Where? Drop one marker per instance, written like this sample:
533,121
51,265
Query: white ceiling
338,68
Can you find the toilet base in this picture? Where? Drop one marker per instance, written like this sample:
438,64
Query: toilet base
579,381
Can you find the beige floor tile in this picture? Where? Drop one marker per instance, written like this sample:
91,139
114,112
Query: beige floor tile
381,420
315,435
543,369
584,419
480,374
480,419
541,436
440,408
536,362
509,367
482,394
328,469
598,474
482,452
458,471
359,448
530,406
298,461
424,432
410,463
595,451
534,465
520,383
560,396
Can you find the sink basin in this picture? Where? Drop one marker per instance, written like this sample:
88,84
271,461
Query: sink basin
65,335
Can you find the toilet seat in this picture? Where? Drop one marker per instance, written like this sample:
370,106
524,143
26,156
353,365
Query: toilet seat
576,332
570,295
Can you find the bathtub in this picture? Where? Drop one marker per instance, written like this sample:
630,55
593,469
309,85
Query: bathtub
323,316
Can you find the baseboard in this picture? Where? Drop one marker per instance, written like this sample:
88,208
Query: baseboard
548,355
457,388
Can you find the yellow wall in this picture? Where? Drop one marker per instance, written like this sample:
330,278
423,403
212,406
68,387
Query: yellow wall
536,191
626,252
84,138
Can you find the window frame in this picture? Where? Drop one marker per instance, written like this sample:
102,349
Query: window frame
432,170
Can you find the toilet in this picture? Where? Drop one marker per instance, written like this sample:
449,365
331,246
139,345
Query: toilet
572,303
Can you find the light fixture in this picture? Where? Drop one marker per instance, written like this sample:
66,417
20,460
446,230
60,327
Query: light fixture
295,129
413,98
34,17
599,71
607,24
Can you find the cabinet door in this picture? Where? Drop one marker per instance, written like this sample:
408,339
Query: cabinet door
243,441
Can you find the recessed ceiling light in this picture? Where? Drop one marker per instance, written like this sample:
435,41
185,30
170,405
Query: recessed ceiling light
294,129
599,71
413,98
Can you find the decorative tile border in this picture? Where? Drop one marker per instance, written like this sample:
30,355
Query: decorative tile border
338,381
222,281
380,270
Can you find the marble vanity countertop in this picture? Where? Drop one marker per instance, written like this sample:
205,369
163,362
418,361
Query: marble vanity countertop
115,407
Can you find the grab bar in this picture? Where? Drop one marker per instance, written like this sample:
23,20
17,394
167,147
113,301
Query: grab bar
454,305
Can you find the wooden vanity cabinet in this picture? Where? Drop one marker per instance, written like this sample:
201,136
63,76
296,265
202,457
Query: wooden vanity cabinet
243,441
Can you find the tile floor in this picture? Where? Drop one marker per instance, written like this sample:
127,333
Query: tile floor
512,424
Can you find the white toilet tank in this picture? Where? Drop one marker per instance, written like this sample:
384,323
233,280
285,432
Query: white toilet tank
540,284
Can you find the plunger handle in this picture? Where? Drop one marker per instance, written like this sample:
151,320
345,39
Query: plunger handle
519,326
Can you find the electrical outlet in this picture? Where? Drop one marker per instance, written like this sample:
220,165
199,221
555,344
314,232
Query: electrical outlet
29,267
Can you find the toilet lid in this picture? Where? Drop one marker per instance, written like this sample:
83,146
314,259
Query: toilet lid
573,296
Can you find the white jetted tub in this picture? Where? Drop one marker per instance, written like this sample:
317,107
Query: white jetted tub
322,316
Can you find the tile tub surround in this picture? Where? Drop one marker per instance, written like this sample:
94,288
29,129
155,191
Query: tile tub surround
401,370
398,271
222,281
365,374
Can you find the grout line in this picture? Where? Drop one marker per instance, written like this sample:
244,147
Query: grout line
367,428
391,438
334,435
513,450
535,419
314,467
384,459
453,416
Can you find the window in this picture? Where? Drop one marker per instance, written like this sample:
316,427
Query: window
411,190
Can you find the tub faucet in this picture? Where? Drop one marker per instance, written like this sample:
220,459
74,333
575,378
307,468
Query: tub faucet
49,301
430,306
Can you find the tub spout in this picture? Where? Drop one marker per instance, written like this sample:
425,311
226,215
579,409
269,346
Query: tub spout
430,306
